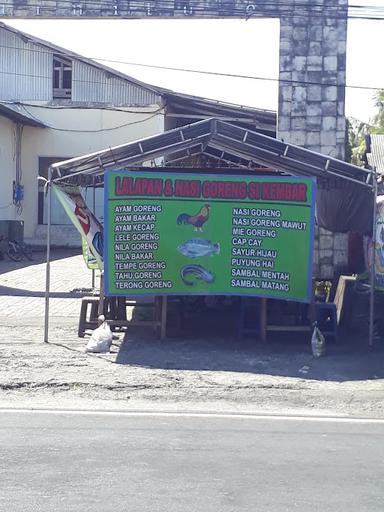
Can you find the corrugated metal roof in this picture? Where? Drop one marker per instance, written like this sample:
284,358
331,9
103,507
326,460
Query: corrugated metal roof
142,93
18,114
231,141
25,73
376,155
100,87
185,105
27,38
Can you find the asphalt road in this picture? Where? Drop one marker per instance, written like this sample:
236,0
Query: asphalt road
60,462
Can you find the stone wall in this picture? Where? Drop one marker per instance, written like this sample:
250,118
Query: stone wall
312,101
330,255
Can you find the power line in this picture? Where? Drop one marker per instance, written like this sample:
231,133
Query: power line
147,6
76,107
95,82
201,13
273,9
188,70
154,114
170,68
232,75
125,78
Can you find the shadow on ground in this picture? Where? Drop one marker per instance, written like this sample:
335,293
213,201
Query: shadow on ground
39,257
22,292
212,344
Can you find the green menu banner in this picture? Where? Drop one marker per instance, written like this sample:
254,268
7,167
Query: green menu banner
174,233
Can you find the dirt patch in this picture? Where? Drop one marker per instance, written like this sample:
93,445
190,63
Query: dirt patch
202,366
189,373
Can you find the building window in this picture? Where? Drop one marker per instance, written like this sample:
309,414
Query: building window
62,77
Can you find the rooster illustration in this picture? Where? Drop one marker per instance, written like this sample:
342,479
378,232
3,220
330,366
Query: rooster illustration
195,220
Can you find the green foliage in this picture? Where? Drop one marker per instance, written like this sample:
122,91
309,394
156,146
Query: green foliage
378,120
357,130
355,147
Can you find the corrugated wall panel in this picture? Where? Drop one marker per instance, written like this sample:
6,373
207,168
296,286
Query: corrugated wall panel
91,84
376,156
26,74
25,69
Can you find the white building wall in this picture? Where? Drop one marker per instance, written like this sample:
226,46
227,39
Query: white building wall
7,169
73,130
81,131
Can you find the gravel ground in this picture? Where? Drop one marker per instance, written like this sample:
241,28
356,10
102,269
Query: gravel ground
195,372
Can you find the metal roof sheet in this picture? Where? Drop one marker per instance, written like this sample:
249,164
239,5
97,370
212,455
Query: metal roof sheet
217,139
177,102
194,107
81,58
376,155
17,113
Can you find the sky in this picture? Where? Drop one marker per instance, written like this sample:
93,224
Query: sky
242,47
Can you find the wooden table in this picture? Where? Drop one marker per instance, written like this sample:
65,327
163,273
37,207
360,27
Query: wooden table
264,327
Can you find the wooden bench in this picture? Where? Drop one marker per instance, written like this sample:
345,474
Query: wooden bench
115,311
88,315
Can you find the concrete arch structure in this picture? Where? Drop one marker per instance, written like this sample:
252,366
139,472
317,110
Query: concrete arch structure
312,66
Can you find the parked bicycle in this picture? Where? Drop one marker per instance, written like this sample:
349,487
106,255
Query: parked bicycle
15,250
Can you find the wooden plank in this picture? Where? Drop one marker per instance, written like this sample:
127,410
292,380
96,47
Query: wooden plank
102,298
293,328
264,328
340,295
312,307
134,323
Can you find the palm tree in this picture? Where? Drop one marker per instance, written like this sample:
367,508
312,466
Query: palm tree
355,148
378,120
357,130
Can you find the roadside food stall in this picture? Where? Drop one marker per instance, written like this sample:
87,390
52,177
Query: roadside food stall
240,230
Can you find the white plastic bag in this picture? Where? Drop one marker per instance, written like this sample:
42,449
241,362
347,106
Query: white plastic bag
101,338
317,342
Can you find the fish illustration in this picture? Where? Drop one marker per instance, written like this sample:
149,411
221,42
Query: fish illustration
197,247
191,274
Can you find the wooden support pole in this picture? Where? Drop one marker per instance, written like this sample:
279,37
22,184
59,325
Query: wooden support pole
263,320
373,265
163,330
101,301
312,307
